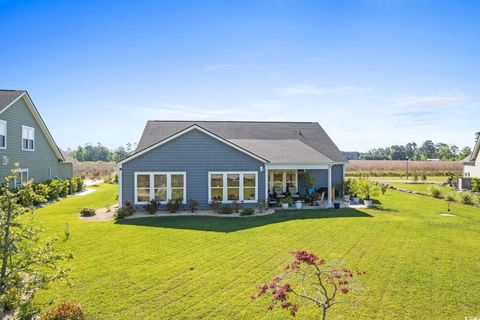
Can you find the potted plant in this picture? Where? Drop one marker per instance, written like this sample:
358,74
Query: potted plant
285,202
298,204
354,191
346,186
367,190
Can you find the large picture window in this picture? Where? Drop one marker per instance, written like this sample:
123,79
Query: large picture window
282,181
161,186
228,187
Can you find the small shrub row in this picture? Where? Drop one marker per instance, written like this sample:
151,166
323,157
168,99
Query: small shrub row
127,210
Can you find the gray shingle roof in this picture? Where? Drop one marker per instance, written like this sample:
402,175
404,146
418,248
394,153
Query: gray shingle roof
8,96
66,155
311,140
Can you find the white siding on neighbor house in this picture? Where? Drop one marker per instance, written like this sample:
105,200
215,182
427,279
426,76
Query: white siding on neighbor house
472,171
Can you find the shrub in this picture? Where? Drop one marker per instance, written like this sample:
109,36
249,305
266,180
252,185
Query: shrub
247,212
236,206
87,212
262,206
73,185
226,209
366,189
451,196
215,205
476,184
466,198
174,205
54,189
152,206
424,178
80,184
65,311
435,191
127,210
383,189
193,205
28,197
64,187
415,177
41,189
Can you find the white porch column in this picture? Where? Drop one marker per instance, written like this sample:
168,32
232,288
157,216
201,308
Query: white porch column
120,174
329,185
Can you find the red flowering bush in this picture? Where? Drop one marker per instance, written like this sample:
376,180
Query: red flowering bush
308,278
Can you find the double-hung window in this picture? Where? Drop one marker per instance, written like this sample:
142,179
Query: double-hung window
161,186
3,134
28,138
228,187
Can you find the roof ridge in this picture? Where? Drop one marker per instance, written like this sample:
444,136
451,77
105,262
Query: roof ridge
237,121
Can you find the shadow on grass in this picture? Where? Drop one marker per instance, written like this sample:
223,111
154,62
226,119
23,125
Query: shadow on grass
232,224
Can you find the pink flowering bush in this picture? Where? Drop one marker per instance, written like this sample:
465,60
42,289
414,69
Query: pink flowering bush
307,278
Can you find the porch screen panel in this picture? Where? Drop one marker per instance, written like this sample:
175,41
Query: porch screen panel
291,181
278,181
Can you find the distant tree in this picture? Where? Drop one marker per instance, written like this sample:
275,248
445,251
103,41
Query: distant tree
427,150
89,152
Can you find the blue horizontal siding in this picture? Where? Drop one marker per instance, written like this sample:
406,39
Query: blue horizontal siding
321,178
195,153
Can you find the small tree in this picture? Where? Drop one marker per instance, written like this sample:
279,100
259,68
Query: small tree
307,278
27,264
366,189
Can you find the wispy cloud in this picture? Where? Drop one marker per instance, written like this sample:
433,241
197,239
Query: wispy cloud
311,90
183,112
215,67
428,101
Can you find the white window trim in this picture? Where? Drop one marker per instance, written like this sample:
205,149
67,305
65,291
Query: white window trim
5,124
21,171
225,187
152,187
28,128
284,179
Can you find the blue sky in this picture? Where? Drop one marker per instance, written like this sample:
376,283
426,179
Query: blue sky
371,72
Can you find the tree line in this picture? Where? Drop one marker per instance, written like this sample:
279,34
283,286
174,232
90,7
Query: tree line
99,152
426,150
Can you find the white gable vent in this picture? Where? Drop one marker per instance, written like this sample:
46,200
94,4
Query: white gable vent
5,160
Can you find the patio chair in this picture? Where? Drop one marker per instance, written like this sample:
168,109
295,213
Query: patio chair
321,201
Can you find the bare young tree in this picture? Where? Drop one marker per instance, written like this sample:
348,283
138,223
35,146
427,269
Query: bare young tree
307,278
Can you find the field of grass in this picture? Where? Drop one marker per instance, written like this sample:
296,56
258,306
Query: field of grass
410,178
420,265
420,187
398,168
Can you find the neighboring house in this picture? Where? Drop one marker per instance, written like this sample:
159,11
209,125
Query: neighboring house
228,161
25,139
471,164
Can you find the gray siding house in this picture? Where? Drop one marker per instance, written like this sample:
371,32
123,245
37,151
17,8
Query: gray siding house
228,161
25,139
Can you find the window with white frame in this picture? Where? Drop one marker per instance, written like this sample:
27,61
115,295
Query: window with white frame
282,180
28,138
21,178
161,186
233,186
3,134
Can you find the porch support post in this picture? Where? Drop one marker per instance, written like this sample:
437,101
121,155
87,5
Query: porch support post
120,185
329,185
267,191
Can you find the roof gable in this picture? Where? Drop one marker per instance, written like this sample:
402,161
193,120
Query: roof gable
309,133
8,99
184,131
476,149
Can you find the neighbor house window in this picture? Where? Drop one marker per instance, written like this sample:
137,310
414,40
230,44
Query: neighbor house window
28,138
21,178
232,186
161,186
3,134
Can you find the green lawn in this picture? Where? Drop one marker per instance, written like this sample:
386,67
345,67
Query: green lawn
419,264
420,187
410,178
